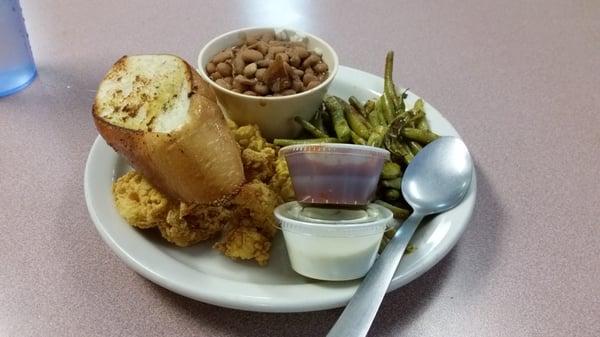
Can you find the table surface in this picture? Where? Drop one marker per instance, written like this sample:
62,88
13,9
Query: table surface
518,79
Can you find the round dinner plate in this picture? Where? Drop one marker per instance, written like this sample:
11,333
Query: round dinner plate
204,274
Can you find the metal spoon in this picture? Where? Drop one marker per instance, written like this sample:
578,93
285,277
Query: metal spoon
436,180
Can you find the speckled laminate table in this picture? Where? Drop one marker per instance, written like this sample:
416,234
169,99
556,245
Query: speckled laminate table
520,80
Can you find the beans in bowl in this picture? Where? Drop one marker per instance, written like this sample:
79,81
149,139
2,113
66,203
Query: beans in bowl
265,65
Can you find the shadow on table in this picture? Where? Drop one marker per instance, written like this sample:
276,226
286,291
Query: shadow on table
399,308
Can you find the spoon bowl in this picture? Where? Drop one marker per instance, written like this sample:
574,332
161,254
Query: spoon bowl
436,188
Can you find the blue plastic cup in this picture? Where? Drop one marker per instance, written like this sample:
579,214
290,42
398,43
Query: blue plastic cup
17,69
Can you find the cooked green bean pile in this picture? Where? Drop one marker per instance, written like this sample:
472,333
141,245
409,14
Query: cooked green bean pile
382,122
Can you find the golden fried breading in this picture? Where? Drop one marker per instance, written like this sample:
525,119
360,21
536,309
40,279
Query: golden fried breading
246,243
252,210
254,206
259,165
244,134
201,223
281,182
140,204
249,137
258,155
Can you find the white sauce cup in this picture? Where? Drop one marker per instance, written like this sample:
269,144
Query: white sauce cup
323,248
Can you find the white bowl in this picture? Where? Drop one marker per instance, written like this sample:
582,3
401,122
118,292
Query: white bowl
273,115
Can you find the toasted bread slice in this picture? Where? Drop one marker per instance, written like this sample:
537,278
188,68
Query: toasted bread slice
156,111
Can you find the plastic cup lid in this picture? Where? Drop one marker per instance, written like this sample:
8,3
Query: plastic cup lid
351,149
328,221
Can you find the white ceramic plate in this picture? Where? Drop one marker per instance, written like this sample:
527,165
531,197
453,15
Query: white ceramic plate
204,274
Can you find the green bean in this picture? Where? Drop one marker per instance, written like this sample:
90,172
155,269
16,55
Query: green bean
388,108
392,194
414,147
379,111
422,124
286,142
402,107
419,105
405,119
398,99
392,183
421,136
361,118
402,117
375,139
310,128
415,116
340,126
400,149
327,125
399,213
388,83
349,108
317,121
407,155
375,115
398,102
356,139
377,136
356,121
373,118
356,104
418,110
391,144
391,170
369,106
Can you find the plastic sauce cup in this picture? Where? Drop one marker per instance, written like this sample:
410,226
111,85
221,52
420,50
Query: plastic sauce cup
334,174
321,247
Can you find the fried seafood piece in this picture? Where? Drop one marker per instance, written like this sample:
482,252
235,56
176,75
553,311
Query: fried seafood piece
259,165
138,202
185,226
246,243
249,137
245,134
258,155
252,226
281,182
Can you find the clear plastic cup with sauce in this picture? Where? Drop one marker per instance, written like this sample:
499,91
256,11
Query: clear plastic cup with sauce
334,174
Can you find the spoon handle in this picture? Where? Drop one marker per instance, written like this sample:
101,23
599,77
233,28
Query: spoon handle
362,308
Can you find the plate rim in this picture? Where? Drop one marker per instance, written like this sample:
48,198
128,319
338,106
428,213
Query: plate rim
324,297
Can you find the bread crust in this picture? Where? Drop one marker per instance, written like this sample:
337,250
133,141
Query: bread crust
198,162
